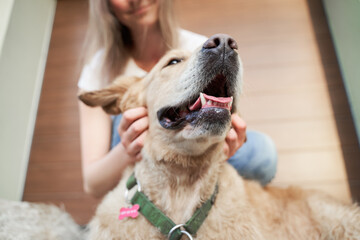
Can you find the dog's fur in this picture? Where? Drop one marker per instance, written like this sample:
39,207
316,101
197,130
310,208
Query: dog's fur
28,221
182,165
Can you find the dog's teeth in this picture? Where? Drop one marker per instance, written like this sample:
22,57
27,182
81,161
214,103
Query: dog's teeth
202,98
209,102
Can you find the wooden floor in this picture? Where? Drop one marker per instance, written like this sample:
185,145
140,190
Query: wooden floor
293,92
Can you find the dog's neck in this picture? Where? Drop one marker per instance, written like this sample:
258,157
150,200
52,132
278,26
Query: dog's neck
176,182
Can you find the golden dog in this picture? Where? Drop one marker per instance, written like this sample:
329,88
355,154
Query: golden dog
190,99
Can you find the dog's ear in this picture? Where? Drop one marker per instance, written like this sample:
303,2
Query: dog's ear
110,98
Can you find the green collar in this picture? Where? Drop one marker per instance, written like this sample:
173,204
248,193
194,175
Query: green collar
162,222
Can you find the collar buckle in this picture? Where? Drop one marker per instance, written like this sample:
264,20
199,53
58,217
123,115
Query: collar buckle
127,190
182,230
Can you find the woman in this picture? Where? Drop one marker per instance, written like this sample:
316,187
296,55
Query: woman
128,37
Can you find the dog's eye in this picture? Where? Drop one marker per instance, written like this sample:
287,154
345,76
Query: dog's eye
173,61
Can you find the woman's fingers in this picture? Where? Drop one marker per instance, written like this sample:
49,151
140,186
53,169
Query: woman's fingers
138,157
239,125
134,148
227,150
236,136
232,142
134,131
133,123
129,117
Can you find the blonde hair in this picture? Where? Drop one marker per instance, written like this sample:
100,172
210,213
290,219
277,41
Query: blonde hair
106,33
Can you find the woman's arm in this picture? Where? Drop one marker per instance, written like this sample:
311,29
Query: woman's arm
101,167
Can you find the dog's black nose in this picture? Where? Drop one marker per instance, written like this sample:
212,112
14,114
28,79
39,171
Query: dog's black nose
220,41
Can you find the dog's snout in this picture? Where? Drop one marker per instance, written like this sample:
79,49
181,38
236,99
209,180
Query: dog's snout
220,41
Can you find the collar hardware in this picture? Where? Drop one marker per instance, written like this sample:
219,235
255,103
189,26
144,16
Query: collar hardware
157,218
182,231
132,182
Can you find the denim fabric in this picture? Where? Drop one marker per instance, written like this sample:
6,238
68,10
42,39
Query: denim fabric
115,137
256,159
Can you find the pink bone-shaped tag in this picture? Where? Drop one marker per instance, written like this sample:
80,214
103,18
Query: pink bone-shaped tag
129,212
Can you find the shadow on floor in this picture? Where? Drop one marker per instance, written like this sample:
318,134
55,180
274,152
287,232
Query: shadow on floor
340,104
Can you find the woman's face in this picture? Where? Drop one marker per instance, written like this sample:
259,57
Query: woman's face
136,13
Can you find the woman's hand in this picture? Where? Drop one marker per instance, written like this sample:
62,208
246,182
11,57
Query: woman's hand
132,130
236,137
134,124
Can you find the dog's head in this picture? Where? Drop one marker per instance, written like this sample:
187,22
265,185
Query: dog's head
190,97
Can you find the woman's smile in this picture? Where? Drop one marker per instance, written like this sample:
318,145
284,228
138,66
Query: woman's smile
141,9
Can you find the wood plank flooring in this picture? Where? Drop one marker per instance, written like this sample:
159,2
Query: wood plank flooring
293,91
54,172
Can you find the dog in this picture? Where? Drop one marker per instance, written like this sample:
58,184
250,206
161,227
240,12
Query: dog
186,188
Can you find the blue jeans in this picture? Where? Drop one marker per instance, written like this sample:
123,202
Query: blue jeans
256,159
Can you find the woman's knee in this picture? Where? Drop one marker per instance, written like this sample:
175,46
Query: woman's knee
257,158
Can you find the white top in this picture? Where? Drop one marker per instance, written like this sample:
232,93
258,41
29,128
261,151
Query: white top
91,80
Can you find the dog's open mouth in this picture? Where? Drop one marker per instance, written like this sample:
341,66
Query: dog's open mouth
214,96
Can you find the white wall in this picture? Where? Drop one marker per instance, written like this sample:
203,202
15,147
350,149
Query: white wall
5,12
25,32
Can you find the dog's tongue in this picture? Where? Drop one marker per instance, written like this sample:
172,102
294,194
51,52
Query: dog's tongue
206,101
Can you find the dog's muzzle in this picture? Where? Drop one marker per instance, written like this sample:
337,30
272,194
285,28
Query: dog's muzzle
218,65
